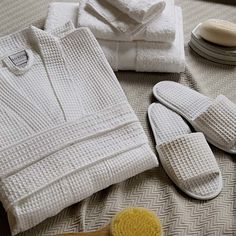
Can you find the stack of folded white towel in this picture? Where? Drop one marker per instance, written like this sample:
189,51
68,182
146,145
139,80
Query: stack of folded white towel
140,35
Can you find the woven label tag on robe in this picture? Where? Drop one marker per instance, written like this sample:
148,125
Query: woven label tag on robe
19,59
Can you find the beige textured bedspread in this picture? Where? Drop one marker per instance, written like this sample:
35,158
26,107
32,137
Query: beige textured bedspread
179,214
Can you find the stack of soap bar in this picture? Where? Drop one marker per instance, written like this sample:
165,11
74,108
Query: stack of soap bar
215,40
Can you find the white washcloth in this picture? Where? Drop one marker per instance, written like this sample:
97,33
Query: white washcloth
113,16
140,55
140,10
67,129
61,13
161,29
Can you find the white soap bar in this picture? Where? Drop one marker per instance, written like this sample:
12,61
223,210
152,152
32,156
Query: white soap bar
219,31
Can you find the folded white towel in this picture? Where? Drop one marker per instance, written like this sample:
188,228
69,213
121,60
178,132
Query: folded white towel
139,55
161,29
142,10
148,56
60,13
113,16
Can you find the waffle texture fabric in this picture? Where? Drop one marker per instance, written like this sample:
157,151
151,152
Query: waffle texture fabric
67,129
219,122
185,156
216,118
152,189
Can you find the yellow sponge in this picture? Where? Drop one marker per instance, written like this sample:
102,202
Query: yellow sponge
136,222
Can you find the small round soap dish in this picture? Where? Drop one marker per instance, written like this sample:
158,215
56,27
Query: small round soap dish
211,51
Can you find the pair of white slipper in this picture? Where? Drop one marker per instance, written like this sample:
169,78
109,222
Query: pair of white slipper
186,156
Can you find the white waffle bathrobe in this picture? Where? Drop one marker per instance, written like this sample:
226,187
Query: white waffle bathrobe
66,128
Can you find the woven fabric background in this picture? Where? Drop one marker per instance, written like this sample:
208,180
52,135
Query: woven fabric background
179,214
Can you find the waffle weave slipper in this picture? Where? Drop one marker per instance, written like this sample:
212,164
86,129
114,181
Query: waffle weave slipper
185,156
215,118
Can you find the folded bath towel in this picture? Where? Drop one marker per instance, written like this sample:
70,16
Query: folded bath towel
161,29
140,10
113,16
141,55
148,56
67,129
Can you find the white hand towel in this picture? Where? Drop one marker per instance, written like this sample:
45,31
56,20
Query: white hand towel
161,29
148,56
140,55
60,13
140,10
112,16
67,129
